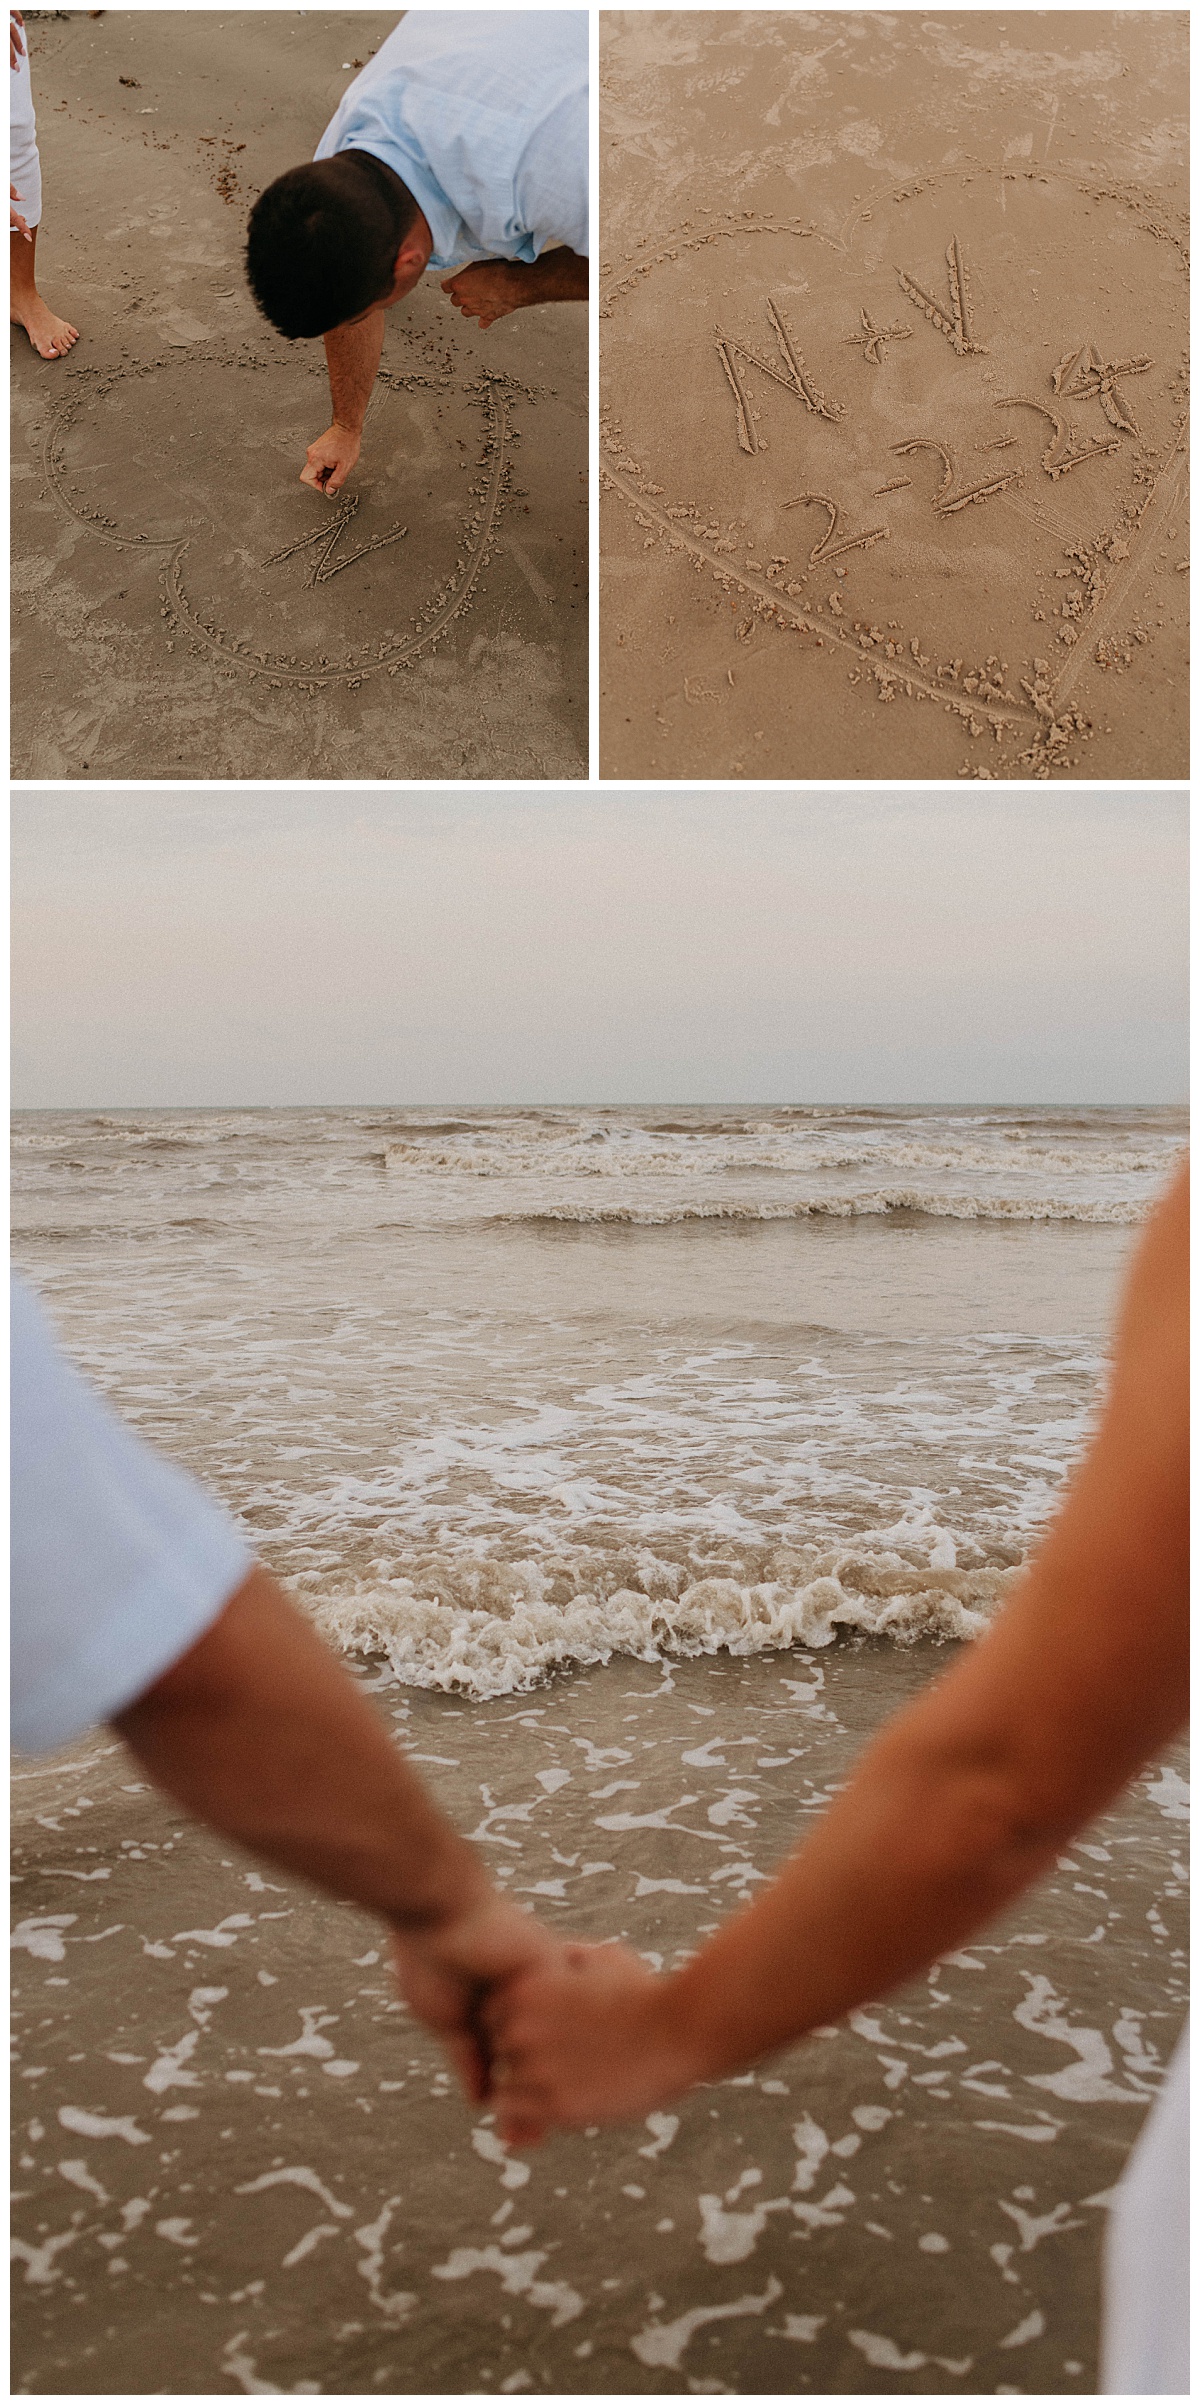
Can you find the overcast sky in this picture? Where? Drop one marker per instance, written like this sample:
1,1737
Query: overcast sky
972,946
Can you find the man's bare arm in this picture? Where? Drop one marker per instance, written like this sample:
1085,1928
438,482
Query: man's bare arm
352,353
492,288
258,1730
963,1799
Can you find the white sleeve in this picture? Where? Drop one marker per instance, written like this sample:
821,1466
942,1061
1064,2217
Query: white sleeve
119,1560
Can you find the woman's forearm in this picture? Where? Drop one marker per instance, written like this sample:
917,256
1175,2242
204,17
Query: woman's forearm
968,1796
961,1802
916,1854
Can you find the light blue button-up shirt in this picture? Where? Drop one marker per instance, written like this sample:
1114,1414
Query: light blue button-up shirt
483,114
120,1561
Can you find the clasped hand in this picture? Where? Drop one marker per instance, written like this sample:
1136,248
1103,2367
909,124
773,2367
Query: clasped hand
552,2035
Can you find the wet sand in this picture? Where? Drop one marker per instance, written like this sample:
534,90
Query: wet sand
182,606
893,389
240,2168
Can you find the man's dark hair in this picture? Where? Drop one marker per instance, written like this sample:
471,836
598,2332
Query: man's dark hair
323,240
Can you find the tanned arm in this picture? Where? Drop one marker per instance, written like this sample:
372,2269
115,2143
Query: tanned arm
352,353
961,1802
492,288
259,1731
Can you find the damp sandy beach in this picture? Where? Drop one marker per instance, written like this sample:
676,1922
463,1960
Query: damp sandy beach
893,389
643,1462
182,607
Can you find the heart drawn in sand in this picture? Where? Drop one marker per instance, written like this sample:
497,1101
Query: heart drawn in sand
261,572
943,454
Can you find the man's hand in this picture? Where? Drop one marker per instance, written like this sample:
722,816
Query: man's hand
586,2037
16,223
331,458
16,47
446,1973
490,289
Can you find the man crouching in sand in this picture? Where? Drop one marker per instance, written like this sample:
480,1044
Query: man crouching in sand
463,145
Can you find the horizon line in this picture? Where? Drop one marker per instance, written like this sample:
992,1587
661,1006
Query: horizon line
666,1103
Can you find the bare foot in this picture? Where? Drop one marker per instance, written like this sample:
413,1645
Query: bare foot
51,336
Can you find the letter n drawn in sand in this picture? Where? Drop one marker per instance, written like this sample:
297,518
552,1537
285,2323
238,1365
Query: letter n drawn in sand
793,376
329,536
946,501
956,324
827,548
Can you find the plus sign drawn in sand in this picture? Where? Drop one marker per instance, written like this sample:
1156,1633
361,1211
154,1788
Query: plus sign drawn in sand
873,340
757,366
365,587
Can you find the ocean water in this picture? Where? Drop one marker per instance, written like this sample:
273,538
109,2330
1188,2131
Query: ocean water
498,1391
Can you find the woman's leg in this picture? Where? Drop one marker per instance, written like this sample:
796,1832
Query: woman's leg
50,335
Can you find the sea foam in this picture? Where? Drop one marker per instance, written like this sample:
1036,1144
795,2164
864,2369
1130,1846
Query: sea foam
498,1629
874,1203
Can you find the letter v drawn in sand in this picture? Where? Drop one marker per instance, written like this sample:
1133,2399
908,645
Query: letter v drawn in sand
956,326
793,376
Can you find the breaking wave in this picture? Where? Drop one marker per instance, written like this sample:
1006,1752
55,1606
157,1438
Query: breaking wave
498,1628
619,1154
876,1205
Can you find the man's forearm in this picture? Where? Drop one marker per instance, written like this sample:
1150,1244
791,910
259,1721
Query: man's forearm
559,275
353,354
259,1731
493,288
